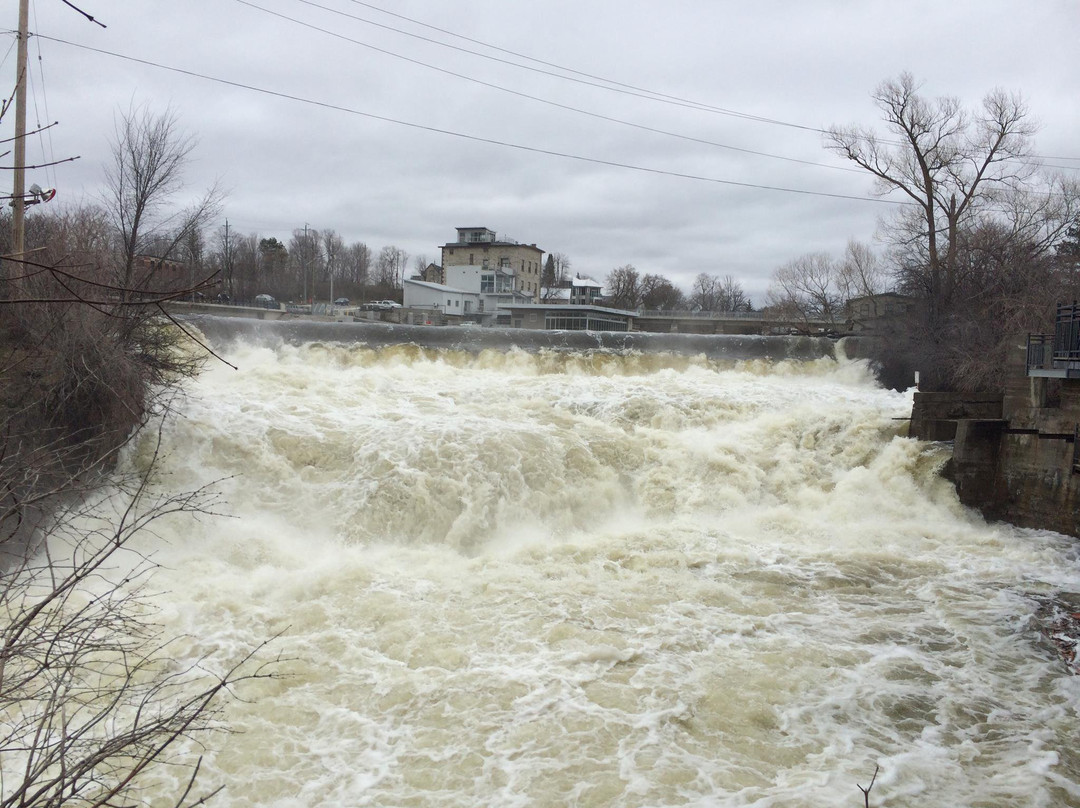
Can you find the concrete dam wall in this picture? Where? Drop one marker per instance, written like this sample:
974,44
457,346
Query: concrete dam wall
227,330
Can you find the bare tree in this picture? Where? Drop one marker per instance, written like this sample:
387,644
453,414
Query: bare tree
805,290
304,258
332,248
357,261
860,272
560,264
149,156
731,296
704,292
657,292
390,266
982,219
623,288
948,163
420,265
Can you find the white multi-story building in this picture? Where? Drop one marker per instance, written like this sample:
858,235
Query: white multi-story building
501,270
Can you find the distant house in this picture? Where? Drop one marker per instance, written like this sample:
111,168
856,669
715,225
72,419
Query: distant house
579,291
877,312
433,273
154,274
585,291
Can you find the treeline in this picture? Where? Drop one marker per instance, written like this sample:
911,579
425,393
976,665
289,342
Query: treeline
313,264
627,288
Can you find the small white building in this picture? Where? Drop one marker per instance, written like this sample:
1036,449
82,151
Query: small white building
440,297
585,291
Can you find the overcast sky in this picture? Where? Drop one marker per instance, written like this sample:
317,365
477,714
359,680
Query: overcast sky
337,159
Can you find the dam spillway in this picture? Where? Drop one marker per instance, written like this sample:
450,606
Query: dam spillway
597,575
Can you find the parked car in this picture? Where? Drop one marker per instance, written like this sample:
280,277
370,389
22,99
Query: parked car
341,301
222,298
265,300
385,305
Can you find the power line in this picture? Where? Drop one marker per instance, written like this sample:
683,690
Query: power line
44,133
462,135
658,96
530,97
608,84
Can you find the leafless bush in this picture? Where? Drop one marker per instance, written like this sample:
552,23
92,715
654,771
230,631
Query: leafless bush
92,703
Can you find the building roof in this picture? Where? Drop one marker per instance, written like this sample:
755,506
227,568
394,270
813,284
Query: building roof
491,244
440,287
577,280
564,307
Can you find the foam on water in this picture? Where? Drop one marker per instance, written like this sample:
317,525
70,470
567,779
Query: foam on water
555,579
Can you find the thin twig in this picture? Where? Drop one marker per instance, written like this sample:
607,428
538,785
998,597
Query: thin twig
866,791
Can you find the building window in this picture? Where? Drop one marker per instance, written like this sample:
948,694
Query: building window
487,283
584,321
485,263
471,262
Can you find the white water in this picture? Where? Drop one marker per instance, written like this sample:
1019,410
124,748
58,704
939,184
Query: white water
552,580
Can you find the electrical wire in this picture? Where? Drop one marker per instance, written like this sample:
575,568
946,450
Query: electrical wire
44,133
608,84
527,96
462,135
615,84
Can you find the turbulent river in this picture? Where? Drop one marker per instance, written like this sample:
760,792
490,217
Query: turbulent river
589,578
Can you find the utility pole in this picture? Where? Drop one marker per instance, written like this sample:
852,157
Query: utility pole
18,200
306,299
228,260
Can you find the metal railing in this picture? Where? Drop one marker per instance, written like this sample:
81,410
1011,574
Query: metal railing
1067,333
1058,352
702,315
1040,351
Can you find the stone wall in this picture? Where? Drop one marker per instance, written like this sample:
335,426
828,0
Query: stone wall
934,416
1017,465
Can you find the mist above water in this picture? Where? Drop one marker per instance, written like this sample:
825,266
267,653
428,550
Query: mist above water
603,578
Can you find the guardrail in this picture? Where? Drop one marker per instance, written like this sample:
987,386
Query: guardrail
1067,333
1040,351
702,315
